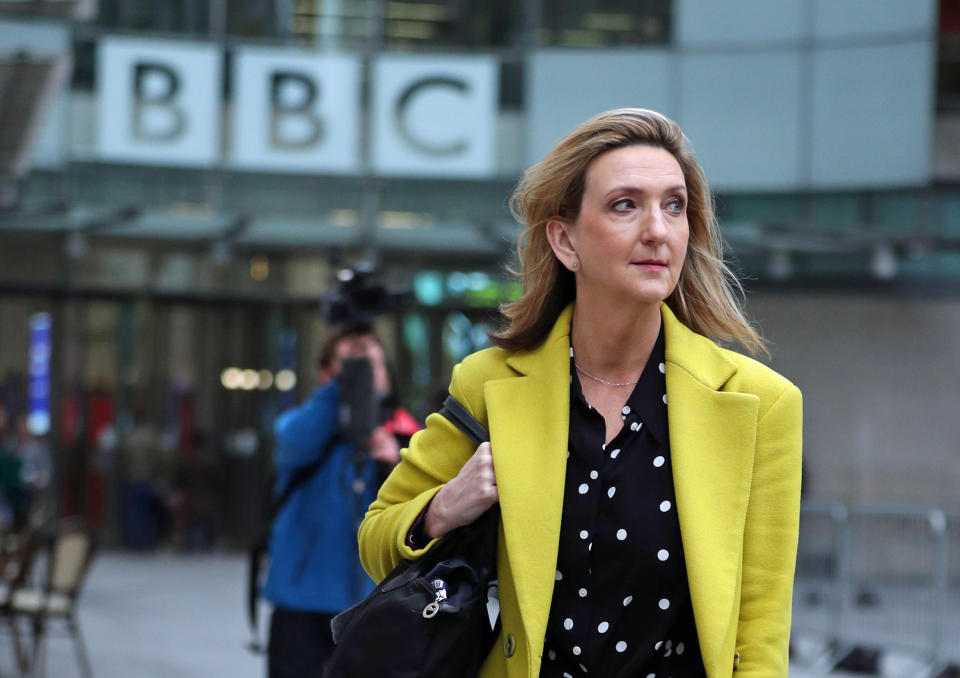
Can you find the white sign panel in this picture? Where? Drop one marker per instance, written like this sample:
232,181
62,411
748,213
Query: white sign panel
159,101
435,116
295,111
565,86
873,114
744,141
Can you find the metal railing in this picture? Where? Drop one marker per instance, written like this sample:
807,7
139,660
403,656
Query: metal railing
882,577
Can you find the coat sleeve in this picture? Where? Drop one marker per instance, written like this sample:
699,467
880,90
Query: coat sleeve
434,456
770,541
302,432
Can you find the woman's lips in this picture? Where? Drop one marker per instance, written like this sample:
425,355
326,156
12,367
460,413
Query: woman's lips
651,265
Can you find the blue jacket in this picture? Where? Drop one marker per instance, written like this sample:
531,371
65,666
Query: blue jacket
314,565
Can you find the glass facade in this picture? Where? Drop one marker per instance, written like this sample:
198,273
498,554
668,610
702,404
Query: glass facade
402,24
160,278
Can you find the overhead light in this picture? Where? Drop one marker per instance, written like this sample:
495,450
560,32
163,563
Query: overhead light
249,380
883,262
259,267
286,380
231,378
265,380
343,218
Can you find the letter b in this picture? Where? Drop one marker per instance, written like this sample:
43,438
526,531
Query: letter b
292,96
155,116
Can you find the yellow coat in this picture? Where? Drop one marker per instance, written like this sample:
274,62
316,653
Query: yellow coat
735,439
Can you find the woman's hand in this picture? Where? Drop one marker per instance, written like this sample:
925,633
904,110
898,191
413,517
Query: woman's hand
466,497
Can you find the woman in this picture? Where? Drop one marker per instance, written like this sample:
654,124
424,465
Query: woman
648,479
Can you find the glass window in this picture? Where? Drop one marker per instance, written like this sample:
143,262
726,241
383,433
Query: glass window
252,18
170,16
406,24
467,23
599,23
331,22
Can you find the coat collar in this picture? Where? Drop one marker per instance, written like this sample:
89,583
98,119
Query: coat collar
688,350
551,357
694,353
712,436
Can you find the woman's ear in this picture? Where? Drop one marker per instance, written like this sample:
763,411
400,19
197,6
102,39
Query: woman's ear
558,233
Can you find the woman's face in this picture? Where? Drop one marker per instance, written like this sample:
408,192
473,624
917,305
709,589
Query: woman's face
631,235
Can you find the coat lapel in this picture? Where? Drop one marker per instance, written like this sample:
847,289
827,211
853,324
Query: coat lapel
712,442
529,426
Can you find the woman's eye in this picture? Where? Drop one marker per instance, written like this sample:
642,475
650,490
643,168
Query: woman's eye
623,205
676,206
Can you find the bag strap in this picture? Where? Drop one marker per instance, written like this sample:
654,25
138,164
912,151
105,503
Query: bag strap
300,476
458,415
484,528
261,545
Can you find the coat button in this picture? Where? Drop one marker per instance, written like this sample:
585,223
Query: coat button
509,645
736,661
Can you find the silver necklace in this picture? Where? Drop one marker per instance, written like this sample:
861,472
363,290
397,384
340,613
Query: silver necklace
604,381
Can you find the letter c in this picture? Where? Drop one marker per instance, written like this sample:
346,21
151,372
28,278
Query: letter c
400,113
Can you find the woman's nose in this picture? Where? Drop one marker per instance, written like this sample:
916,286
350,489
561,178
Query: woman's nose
653,227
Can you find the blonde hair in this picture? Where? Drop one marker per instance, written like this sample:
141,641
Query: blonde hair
708,297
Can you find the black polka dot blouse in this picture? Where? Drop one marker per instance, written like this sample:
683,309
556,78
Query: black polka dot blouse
621,603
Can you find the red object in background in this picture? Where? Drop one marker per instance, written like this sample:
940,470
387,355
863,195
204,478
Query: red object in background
402,423
100,416
69,421
69,436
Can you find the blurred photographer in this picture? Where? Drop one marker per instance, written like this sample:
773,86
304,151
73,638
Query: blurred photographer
333,450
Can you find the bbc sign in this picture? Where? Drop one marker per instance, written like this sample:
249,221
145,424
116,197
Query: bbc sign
295,110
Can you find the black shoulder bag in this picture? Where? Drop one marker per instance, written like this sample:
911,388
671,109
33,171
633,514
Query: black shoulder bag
428,618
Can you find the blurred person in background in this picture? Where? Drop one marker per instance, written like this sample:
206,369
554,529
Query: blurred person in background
14,492
143,510
648,479
314,571
37,469
25,469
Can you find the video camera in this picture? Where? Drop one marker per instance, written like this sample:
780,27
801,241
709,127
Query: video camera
357,300
353,306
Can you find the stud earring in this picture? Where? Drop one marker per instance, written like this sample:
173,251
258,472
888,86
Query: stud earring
575,264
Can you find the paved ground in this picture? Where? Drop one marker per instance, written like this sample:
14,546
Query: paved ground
175,616
158,616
